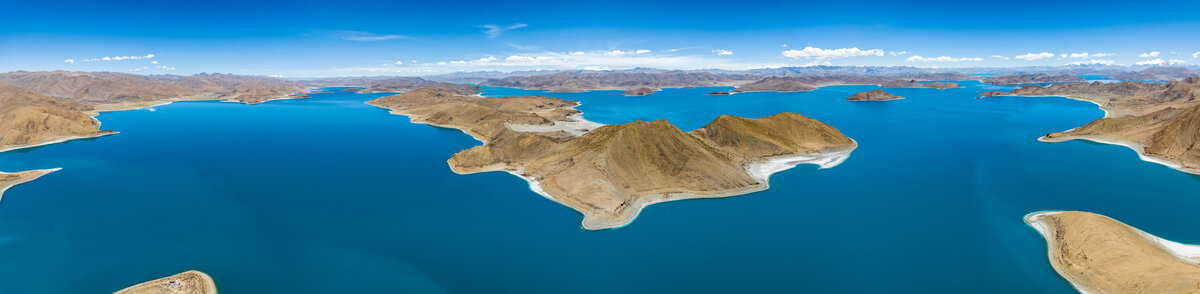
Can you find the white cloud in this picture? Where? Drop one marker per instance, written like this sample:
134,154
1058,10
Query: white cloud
1093,61
784,45
72,61
359,36
629,52
722,52
1035,56
1160,61
818,53
897,53
1196,55
154,62
117,58
494,31
1149,54
918,58
138,68
164,67
1085,55
1000,57
276,76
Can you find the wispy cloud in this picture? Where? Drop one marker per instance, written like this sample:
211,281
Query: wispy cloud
492,31
164,67
1035,56
360,36
112,58
897,53
722,52
1196,55
1082,55
818,53
72,61
627,52
1150,54
1160,61
1093,62
1000,57
918,58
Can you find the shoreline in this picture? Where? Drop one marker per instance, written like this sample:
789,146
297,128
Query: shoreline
1137,148
55,141
760,170
1185,252
18,182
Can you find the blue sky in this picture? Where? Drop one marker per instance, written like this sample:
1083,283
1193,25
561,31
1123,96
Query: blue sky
352,38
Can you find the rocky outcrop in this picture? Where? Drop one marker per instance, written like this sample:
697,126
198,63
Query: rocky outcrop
718,93
1033,78
610,173
189,282
1159,120
1097,254
643,91
873,95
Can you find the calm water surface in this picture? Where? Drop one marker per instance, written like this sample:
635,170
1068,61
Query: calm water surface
330,195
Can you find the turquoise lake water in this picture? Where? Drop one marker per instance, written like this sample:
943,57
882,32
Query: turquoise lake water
330,195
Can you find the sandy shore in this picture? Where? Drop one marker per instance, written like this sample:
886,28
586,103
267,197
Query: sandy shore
1136,147
24,177
189,282
1071,271
576,127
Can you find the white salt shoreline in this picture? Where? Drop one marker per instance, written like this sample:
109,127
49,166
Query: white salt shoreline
14,184
1137,148
1187,252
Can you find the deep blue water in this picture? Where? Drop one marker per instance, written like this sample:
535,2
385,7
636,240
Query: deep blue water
330,195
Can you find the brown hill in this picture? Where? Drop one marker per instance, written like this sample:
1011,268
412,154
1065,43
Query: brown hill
1097,254
120,88
28,118
1159,120
610,173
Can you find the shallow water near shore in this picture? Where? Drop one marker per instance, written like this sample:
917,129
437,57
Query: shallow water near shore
330,195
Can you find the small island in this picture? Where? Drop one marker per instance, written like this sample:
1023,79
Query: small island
189,282
610,173
874,95
718,93
643,91
1097,254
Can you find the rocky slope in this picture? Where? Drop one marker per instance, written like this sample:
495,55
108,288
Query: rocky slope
189,282
1159,120
28,119
1033,78
873,95
610,173
108,88
1097,254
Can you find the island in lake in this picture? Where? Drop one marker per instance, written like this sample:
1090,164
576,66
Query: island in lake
1097,254
642,91
189,282
1161,121
873,95
609,173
